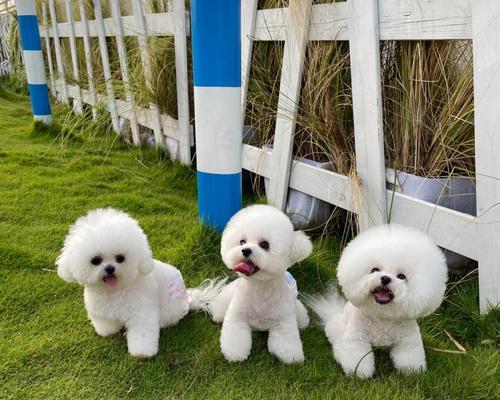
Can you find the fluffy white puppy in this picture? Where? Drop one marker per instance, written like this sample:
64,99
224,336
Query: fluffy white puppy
259,244
107,252
391,275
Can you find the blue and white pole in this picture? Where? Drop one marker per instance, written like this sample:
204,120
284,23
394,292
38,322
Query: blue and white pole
33,60
217,104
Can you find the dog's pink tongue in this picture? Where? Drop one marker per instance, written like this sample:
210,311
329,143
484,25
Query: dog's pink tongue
111,280
383,295
244,267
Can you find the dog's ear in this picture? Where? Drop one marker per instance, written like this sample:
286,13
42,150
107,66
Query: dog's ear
146,266
63,265
301,247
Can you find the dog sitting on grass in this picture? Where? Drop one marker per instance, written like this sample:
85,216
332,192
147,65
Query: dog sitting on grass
391,275
107,252
259,244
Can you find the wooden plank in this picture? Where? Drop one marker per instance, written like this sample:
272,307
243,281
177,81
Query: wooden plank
48,50
106,67
322,184
160,24
57,49
486,56
146,65
248,18
122,54
298,15
367,110
450,229
77,101
399,20
89,64
182,84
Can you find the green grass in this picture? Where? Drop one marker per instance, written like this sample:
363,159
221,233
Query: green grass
49,350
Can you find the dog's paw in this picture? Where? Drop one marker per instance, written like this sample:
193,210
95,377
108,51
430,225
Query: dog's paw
412,369
234,355
106,328
291,358
143,353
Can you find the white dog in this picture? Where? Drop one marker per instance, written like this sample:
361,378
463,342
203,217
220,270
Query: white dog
107,252
391,275
259,244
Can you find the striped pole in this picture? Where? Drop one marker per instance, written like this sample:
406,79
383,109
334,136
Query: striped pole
217,103
33,60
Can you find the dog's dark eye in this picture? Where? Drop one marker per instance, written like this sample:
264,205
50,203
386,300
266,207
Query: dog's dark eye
264,245
120,258
96,260
374,270
401,276
242,242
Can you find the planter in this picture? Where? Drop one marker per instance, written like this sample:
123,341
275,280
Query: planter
456,193
305,211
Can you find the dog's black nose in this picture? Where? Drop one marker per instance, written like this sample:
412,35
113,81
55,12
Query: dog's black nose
109,269
385,280
246,251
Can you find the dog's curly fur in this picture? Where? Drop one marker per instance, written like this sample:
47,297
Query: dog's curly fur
259,244
107,252
391,275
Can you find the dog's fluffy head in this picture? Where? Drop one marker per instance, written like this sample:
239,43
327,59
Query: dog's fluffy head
104,248
259,243
393,272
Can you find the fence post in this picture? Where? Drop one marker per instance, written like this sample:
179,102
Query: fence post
57,47
146,66
486,58
217,103
122,54
48,50
78,101
367,108
248,19
297,22
181,79
88,56
103,46
33,56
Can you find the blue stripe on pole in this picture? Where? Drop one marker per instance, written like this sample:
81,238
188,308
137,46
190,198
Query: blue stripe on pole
40,102
216,42
219,197
30,35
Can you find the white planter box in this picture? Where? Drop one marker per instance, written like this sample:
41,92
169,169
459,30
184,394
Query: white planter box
305,211
456,193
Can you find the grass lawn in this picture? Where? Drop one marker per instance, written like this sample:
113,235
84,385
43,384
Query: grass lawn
49,350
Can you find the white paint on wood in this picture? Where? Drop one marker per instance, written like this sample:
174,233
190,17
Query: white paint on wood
486,56
57,49
220,121
450,229
122,54
248,18
89,63
291,78
48,49
364,47
106,67
181,70
77,102
146,65
399,20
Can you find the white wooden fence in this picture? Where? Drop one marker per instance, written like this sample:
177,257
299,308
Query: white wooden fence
140,25
364,23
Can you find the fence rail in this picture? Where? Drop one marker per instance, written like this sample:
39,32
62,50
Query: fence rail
174,24
364,23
